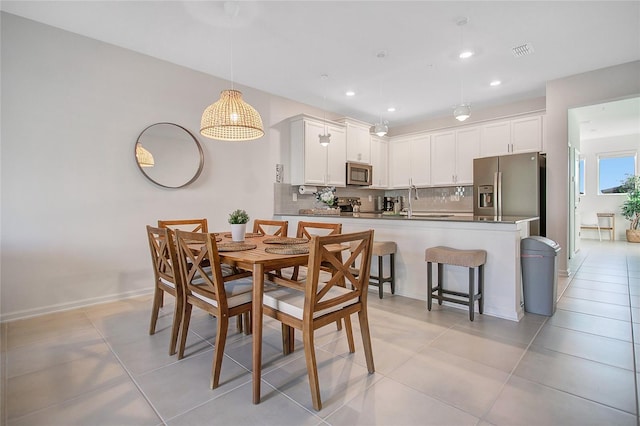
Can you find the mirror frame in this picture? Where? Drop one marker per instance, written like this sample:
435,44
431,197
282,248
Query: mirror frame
195,140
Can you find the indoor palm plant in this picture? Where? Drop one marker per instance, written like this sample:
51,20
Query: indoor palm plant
238,220
631,207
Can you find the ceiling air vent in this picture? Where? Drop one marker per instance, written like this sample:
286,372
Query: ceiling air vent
522,50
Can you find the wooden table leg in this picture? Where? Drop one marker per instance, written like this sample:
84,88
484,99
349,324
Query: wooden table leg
258,288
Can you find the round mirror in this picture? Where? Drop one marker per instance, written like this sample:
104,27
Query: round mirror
169,155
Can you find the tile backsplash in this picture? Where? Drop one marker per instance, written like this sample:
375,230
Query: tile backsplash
457,199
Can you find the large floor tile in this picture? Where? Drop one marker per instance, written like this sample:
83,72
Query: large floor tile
525,403
592,324
598,295
117,404
461,383
58,383
597,285
603,383
54,326
522,331
603,278
618,353
340,380
236,408
590,307
605,269
499,353
181,386
390,403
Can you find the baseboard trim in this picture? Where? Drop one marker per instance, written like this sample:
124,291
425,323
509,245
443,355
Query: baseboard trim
61,307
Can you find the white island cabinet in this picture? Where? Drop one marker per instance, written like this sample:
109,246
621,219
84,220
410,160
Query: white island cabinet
500,238
312,163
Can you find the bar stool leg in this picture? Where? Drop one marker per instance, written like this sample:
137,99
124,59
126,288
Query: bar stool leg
472,292
392,261
440,279
481,288
429,285
380,277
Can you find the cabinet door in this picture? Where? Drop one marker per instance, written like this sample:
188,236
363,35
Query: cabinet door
315,155
526,134
399,163
495,139
443,158
420,161
467,149
379,159
336,174
358,144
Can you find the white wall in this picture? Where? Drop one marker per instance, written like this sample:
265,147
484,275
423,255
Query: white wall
74,204
607,84
591,202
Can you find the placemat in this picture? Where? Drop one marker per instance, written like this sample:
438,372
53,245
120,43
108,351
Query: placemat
235,246
247,235
288,249
285,240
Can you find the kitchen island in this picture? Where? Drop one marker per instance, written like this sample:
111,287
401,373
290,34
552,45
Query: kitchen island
499,236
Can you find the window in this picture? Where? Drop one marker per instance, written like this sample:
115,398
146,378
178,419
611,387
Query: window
581,176
613,169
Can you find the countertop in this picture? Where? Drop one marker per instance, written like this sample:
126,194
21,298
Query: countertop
427,216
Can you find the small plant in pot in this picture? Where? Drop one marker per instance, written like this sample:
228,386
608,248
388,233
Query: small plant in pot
631,207
238,220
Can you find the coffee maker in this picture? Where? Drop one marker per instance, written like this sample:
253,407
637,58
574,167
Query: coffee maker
388,203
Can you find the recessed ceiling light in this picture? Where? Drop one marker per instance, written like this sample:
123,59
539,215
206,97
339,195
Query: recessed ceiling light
495,83
350,93
466,54
391,109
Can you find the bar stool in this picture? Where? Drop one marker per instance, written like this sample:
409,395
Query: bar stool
449,256
381,249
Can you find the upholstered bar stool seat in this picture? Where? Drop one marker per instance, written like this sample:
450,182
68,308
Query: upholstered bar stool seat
471,259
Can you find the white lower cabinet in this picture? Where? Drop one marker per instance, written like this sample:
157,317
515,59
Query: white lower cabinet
312,163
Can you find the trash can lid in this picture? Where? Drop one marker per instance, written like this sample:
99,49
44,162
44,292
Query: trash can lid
539,244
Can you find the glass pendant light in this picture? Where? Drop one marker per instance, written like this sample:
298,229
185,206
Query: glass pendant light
462,111
325,138
380,128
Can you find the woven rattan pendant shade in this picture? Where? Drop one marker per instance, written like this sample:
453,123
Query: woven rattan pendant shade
231,119
144,157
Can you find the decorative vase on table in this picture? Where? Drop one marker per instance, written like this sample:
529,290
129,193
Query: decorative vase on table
238,231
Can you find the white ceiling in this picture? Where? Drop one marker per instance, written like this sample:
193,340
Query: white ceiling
283,47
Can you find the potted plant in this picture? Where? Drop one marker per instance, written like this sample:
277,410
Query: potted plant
238,220
631,207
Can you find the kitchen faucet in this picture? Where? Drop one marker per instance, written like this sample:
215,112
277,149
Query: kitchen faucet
415,191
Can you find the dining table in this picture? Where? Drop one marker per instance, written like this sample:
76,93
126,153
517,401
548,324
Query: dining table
260,261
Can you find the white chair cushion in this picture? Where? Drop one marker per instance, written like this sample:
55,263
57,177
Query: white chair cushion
291,301
238,293
167,283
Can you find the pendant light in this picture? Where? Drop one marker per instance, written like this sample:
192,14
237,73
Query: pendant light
462,111
231,118
381,127
325,138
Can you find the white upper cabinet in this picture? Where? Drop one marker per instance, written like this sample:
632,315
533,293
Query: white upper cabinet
452,155
312,163
379,162
358,140
512,136
409,159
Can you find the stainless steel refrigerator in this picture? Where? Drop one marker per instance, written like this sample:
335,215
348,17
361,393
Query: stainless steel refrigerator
511,185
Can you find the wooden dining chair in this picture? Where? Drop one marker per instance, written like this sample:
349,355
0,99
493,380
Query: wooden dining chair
322,303
277,228
309,229
192,225
167,279
206,287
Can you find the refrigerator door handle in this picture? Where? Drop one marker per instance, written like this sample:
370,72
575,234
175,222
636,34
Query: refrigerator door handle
498,186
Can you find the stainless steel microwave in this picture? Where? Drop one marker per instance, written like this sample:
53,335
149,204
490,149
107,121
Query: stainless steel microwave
359,174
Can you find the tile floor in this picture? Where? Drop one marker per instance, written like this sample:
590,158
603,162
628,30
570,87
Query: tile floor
98,365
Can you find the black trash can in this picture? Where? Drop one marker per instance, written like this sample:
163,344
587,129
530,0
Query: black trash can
539,259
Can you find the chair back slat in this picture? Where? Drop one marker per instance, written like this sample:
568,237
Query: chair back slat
200,266
163,254
318,295
309,229
191,225
278,228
